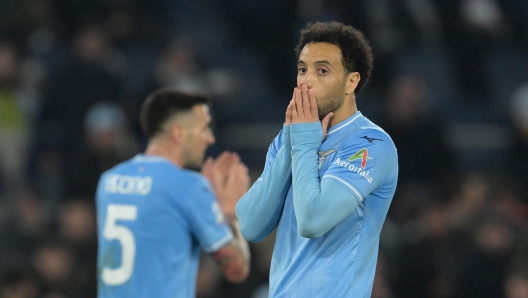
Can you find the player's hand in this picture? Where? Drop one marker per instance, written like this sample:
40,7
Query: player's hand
237,184
229,179
290,109
215,170
325,122
305,106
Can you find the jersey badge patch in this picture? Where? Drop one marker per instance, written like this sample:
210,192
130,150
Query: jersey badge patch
323,155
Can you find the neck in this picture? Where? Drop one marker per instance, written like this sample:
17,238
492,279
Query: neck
160,147
347,109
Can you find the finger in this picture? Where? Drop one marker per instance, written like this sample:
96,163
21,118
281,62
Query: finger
223,161
207,170
235,158
299,104
238,174
295,116
306,102
207,165
289,114
289,110
244,173
232,175
325,122
313,105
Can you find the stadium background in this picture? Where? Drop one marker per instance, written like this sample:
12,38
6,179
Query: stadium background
450,86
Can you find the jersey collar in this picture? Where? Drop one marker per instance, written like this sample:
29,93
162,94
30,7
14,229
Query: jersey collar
150,158
345,122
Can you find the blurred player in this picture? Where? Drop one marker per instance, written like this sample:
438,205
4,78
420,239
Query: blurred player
327,191
154,216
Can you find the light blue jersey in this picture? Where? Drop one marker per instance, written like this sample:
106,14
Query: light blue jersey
153,220
329,201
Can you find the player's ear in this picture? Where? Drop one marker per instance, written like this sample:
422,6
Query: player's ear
177,133
351,82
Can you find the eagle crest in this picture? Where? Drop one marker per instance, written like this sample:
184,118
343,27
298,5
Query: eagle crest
323,155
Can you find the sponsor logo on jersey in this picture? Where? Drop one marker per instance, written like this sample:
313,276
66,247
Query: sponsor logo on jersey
348,165
323,155
370,140
361,154
128,185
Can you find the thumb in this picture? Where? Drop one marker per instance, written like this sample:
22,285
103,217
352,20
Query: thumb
207,166
325,121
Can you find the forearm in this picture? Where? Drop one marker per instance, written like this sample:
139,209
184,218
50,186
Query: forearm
234,258
259,209
319,205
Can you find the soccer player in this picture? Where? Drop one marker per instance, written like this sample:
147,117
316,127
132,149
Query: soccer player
329,176
155,216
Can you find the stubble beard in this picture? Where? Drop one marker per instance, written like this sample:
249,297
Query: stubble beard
192,161
331,102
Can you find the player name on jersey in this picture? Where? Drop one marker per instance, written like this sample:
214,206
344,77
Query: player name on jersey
128,185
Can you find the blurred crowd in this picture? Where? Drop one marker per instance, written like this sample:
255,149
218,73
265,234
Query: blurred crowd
450,86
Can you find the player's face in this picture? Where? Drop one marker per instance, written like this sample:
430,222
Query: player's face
198,138
320,67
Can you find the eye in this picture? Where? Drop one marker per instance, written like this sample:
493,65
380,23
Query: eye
301,69
323,71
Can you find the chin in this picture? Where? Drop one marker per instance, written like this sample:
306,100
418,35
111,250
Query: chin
195,166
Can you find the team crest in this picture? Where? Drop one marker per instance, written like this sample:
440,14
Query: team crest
323,155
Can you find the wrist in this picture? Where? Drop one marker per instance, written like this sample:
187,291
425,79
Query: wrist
310,134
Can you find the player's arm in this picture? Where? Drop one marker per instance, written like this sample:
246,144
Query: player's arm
233,258
260,208
229,178
318,205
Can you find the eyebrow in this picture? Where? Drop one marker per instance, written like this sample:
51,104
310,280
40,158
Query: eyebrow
316,62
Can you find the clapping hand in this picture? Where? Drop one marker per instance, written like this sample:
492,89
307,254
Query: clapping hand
228,177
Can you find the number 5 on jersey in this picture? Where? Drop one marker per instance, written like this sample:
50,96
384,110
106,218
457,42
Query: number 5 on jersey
114,231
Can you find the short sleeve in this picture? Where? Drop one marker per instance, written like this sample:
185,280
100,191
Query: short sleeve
206,218
363,162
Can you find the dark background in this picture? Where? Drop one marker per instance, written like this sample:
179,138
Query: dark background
450,86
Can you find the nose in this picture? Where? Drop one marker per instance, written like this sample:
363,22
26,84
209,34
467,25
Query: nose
212,138
306,79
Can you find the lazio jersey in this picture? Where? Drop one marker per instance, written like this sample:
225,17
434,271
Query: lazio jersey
153,220
362,158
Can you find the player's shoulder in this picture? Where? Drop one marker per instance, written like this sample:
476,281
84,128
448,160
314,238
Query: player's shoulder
368,135
371,132
194,182
195,178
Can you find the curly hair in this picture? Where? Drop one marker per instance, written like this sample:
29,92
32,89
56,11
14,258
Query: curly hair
356,50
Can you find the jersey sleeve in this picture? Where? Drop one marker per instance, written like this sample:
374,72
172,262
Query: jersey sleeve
258,211
273,149
363,162
206,218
